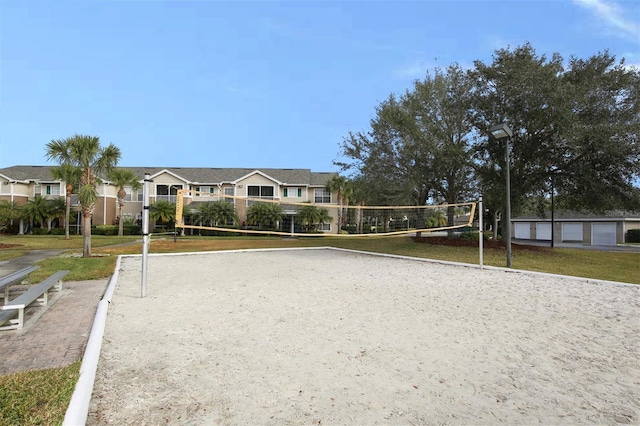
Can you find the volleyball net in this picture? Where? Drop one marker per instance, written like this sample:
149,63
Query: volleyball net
216,214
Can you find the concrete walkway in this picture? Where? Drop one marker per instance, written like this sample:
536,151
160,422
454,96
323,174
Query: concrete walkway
55,336
28,259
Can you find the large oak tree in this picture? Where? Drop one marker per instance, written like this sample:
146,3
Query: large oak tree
575,123
418,148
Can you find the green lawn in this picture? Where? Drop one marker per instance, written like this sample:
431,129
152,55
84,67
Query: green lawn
38,397
612,266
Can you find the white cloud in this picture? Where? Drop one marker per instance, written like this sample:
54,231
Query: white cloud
614,16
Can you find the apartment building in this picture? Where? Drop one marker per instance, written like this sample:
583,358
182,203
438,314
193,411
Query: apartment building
21,183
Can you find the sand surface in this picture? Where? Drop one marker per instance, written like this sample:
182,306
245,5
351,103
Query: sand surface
330,337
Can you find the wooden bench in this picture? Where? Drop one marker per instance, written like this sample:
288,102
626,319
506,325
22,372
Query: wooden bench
39,292
12,278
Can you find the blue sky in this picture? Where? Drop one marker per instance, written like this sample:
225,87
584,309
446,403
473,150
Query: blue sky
255,84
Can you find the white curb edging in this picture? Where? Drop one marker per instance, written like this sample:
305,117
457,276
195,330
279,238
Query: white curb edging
78,409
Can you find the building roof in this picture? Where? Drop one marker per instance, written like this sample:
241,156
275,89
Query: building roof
193,175
25,173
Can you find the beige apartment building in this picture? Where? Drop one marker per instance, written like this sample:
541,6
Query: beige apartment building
21,183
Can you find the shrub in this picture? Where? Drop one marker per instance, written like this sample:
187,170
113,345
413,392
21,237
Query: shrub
113,230
469,235
57,231
105,230
633,236
351,228
39,231
10,229
131,229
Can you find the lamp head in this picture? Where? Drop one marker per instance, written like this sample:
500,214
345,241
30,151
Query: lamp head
500,131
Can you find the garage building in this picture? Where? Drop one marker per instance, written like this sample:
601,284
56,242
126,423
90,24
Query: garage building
570,227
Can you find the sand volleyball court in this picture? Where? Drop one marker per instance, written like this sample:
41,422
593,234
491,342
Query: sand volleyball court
330,337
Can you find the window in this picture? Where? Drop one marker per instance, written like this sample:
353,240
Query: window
167,192
206,190
53,189
230,191
260,191
128,191
322,196
293,192
49,189
324,227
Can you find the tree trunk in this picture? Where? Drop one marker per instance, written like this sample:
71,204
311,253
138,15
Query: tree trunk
86,232
67,213
120,221
339,219
345,209
450,220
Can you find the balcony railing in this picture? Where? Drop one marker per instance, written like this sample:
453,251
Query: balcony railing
253,200
169,198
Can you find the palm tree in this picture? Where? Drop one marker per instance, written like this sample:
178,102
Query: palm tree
216,213
204,214
337,183
9,210
163,211
265,215
324,216
57,210
85,153
71,176
122,178
36,211
224,213
348,192
311,216
435,218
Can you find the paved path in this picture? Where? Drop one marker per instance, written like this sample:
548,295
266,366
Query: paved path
28,259
57,336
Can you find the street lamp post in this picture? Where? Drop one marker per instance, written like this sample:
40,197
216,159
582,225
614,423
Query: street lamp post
502,131
552,218
553,237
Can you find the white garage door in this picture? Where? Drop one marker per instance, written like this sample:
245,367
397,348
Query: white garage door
543,231
521,231
603,234
572,232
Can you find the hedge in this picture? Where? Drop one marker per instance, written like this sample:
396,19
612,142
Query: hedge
113,230
633,236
